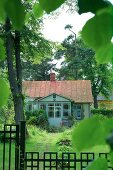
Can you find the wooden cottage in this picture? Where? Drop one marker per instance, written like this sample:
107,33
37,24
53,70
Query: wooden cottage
59,99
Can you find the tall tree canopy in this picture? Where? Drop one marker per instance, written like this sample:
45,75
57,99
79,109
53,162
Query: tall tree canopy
80,63
37,71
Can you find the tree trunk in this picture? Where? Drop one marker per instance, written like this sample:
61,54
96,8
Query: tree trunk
95,102
12,73
19,73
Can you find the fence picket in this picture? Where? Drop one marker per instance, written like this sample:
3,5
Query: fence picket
45,161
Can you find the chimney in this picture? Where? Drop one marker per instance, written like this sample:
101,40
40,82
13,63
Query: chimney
52,76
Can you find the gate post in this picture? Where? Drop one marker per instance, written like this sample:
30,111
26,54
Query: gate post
17,148
22,144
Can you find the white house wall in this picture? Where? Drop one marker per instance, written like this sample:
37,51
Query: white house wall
86,110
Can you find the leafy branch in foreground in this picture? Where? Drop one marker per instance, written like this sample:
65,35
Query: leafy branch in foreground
97,33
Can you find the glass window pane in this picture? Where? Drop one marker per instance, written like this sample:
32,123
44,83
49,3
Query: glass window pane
78,106
57,112
66,110
43,106
51,105
50,114
65,106
30,107
78,114
65,114
51,108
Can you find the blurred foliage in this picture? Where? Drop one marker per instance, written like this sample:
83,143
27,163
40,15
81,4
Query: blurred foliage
104,112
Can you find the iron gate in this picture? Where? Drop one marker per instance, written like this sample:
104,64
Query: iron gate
12,138
66,161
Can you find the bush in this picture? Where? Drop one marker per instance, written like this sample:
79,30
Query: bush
104,112
64,145
28,114
32,121
42,120
38,118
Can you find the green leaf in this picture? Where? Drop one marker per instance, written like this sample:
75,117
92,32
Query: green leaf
2,50
27,16
98,31
2,11
92,5
105,54
16,11
91,132
50,5
37,10
99,164
86,134
111,158
4,92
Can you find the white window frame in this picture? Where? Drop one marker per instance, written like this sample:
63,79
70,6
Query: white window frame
32,107
54,109
69,109
79,117
61,106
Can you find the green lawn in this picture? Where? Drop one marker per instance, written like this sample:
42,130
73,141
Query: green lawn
41,141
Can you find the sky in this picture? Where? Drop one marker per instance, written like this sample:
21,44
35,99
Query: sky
54,28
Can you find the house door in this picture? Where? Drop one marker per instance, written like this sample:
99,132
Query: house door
54,114
77,111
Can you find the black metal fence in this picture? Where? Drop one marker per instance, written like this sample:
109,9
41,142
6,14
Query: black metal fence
66,161
9,135
13,153
12,138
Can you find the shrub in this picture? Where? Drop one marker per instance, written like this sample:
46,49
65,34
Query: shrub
42,120
104,112
38,118
32,120
28,114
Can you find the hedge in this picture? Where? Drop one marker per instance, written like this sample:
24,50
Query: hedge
105,112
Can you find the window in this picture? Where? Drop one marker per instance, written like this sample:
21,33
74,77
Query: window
58,104
78,111
57,111
51,105
51,110
54,110
65,106
30,107
50,114
65,110
43,106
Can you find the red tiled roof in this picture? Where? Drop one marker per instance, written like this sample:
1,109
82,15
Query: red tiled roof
76,90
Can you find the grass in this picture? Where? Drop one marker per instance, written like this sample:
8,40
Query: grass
41,141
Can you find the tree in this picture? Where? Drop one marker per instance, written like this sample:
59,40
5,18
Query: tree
14,69
37,71
36,51
14,40
80,63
